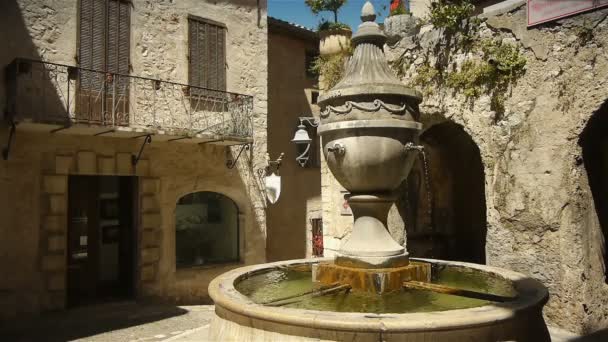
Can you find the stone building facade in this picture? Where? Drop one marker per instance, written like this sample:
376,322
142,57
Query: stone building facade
196,131
292,89
522,187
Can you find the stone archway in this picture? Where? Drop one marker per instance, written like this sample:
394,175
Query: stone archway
594,143
455,227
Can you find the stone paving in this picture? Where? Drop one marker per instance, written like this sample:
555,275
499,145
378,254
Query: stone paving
124,321
143,322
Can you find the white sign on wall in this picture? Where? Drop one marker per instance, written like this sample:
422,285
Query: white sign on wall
542,11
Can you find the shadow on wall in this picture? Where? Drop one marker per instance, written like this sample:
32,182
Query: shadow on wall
450,222
21,285
35,81
594,143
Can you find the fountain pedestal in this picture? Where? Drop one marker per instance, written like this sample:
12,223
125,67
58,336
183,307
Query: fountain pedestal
375,280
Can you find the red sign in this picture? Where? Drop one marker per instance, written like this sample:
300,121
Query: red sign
542,11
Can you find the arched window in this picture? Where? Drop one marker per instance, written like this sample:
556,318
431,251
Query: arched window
206,230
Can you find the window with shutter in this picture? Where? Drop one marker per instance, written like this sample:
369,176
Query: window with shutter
207,63
104,46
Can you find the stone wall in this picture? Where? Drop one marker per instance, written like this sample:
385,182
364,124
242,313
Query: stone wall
34,179
540,214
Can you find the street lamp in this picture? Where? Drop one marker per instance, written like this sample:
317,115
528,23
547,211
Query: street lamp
301,138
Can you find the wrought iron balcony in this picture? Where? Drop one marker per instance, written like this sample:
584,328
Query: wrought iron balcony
56,97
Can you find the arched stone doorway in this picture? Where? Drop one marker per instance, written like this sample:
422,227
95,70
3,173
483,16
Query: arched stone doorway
455,227
594,143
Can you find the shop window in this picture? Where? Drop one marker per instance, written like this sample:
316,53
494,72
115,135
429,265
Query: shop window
206,230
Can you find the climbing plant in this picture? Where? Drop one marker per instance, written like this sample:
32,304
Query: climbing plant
450,14
331,67
491,65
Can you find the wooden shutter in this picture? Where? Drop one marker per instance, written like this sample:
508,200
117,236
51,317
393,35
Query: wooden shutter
104,46
118,46
207,54
92,47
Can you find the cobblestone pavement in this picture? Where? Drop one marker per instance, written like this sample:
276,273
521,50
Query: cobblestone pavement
141,322
116,322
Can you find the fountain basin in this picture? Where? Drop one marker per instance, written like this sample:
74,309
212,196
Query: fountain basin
239,318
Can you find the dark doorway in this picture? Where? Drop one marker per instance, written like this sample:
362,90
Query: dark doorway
101,239
450,222
594,142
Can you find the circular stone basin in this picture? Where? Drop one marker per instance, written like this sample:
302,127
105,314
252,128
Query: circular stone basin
407,315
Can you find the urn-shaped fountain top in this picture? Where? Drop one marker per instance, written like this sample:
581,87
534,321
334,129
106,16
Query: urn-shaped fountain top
368,80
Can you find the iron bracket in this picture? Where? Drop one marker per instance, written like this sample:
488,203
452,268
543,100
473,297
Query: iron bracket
270,166
6,151
232,163
147,140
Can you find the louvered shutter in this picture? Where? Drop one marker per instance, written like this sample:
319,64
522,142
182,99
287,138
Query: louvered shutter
118,47
207,54
118,37
104,47
92,49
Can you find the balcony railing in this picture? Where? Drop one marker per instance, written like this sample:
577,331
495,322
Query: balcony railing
68,96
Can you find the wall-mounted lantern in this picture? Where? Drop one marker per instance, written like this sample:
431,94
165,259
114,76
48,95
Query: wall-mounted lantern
303,140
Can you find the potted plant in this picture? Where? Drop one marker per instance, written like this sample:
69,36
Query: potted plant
400,23
334,36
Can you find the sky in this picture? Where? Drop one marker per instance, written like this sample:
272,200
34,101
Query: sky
296,11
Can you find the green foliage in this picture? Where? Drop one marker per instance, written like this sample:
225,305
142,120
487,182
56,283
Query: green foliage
325,25
504,57
333,6
331,67
471,78
426,77
449,14
500,66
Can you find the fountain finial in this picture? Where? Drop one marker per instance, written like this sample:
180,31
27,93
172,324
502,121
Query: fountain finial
368,13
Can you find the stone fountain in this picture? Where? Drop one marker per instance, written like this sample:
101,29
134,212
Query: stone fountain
370,136
369,128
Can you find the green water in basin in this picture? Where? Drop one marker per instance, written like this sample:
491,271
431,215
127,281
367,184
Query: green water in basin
279,283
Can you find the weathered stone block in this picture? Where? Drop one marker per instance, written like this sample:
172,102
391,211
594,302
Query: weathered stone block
55,184
149,203
56,243
150,238
123,164
58,205
151,220
143,168
150,255
148,273
64,165
53,263
56,282
55,223
106,165
150,185
87,163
